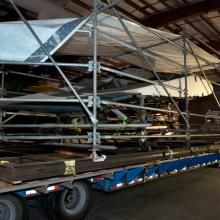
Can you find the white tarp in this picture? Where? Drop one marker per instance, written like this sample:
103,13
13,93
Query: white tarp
18,44
111,35
197,87
60,35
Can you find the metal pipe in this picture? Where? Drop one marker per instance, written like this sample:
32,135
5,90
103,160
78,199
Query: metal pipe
95,63
105,102
164,42
186,74
106,137
172,41
138,78
147,53
80,65
100,126
41,137
2,95
142,118
8,119
24,113
6,92
207,45
108,6
19,100
147,63
114,126
52,60
32,75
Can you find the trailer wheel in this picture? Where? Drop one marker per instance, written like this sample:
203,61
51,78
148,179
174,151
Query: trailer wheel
75,203
12,208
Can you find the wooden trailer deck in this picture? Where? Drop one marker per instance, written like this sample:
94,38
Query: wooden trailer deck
20,169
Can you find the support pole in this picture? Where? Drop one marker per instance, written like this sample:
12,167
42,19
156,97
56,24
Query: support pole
23,63
108,6
142,119
2,96
130,76
186,74
95,60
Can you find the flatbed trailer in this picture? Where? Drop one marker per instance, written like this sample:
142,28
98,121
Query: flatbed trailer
61,186
68,196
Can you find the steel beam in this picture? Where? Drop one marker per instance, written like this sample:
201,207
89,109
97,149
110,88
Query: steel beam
181,13
77,65
128,75
95,69
104,126
186,74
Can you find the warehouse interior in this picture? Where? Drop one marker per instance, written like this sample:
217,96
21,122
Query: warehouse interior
107,84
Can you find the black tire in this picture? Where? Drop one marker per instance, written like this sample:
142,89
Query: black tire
73,204
12,208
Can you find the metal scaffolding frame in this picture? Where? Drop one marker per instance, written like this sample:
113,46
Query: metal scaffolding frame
94,67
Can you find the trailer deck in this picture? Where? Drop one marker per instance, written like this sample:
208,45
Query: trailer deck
40,172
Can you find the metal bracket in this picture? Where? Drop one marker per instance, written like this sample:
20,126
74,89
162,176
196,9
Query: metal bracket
96,158
67,184
90,101
90,68
98,67
90,137
119,114
42,189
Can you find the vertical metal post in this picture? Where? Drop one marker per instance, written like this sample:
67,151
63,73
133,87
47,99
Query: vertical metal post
142,119
186,74
2,96
142,101
95,76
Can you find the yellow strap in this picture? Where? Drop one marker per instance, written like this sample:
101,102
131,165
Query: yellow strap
2,162
70,167
75,124
121,128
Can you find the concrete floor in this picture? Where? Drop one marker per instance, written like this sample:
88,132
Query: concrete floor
194,195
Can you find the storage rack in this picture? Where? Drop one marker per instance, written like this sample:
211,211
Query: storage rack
95,66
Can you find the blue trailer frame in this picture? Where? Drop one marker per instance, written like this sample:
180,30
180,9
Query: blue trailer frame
143,173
